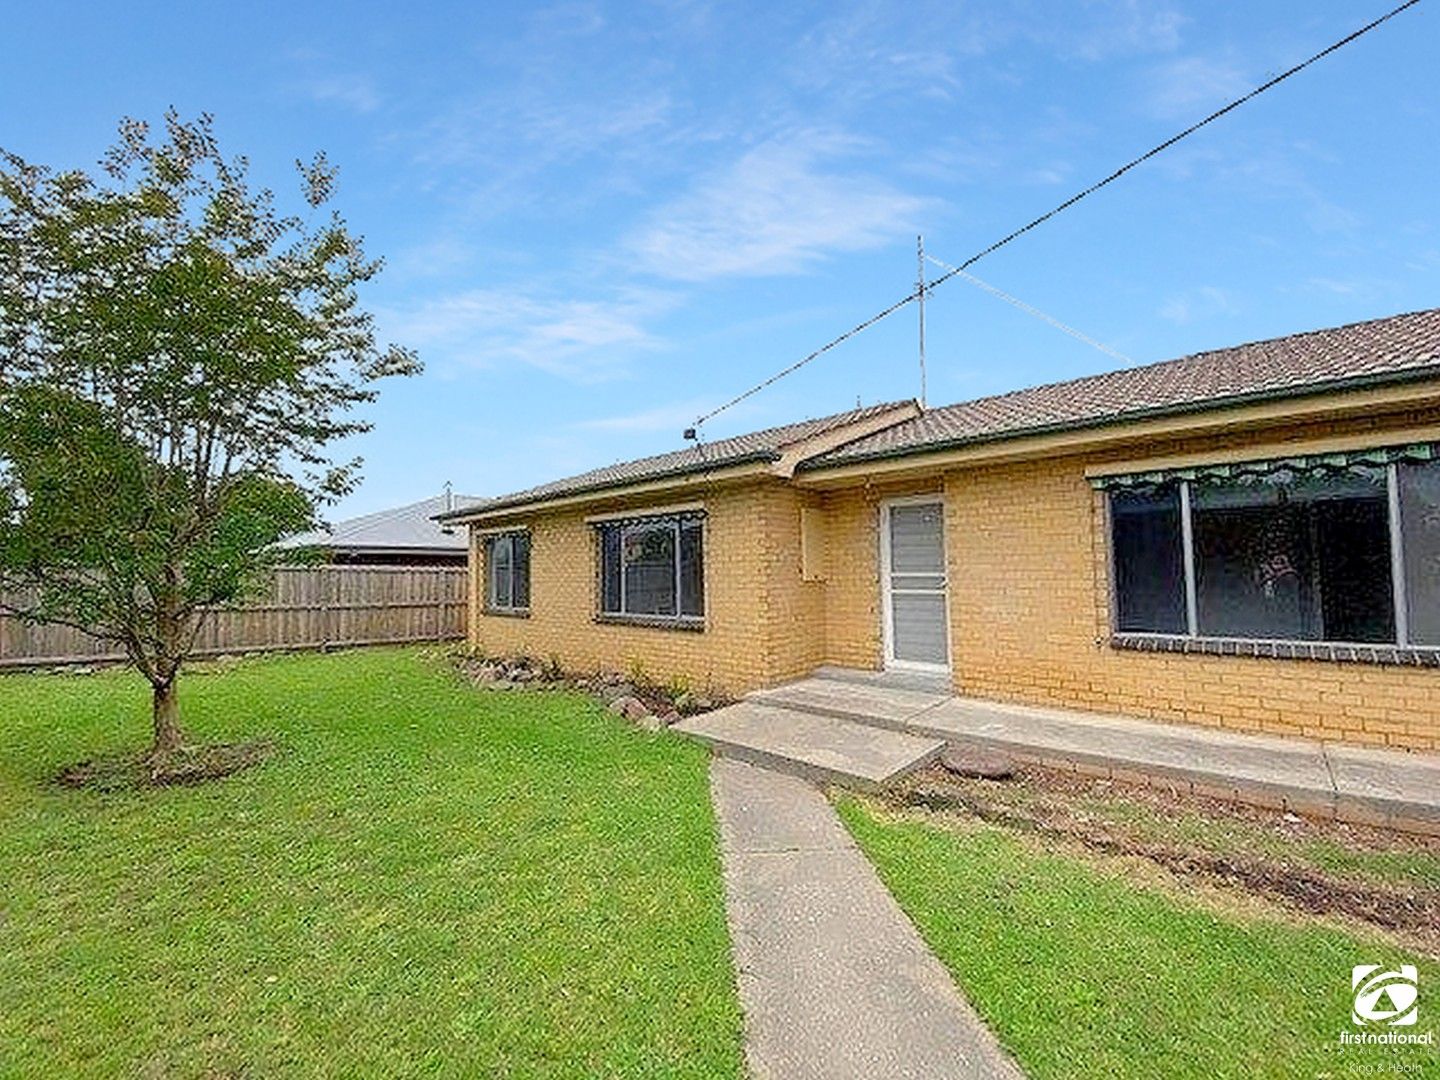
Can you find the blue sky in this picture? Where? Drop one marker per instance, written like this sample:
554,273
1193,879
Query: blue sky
602,219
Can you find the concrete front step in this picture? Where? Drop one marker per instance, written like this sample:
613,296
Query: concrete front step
873,703
811,745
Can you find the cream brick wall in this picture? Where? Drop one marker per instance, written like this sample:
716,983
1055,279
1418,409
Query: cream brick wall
762,623
1030,623
1029,605
852,590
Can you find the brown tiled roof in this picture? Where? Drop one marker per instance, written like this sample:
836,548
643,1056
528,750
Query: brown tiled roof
1390,349
738,450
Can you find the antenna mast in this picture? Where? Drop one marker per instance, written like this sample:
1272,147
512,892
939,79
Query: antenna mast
920,298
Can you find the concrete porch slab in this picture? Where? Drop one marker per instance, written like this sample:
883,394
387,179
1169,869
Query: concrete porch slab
875,703
1325,780
1386,783
1277,771
811,745
904,680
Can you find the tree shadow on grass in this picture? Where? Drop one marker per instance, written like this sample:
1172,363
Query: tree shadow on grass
187,766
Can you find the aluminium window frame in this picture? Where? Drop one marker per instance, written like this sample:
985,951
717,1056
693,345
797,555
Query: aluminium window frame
622,524
512,609
1192,633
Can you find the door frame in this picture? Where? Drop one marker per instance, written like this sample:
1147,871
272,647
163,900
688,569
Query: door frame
887,613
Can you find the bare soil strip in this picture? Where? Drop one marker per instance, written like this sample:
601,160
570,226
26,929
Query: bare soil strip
1061,806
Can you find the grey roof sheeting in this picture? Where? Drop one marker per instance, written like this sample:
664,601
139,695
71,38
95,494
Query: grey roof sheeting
1396,348
410,528
738,450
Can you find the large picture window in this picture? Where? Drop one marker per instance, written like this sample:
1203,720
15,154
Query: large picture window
507,572
653,568
1343,550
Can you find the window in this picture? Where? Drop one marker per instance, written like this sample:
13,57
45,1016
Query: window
1343,549
1419,497
1294,558
1149,561
653,568
507,572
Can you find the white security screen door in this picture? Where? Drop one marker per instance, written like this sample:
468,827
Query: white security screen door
912,548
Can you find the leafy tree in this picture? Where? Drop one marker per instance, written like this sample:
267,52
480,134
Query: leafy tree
176,356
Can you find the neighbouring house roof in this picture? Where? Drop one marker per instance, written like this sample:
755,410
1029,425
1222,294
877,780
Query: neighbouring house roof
410,528
757,446
1392,349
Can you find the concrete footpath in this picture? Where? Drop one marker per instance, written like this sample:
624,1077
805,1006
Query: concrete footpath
834,980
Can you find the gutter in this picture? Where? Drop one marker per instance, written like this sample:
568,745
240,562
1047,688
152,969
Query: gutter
498,505
783,460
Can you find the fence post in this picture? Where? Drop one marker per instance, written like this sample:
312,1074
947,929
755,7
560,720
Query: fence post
325,635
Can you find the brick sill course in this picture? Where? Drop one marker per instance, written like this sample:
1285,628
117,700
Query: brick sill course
1405,655
689,624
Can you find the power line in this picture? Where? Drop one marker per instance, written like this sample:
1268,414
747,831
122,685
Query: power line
1029,309
1276,81
805,359
997,245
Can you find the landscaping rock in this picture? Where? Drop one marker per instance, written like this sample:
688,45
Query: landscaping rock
974,761
631,708
651,722
613,692
668,718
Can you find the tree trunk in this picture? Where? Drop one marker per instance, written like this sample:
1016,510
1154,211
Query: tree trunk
169,735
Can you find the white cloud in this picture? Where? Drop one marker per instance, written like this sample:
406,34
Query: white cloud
780,208
1126,27
570,19
674,417
354,92
581,339
1189,86
1199,303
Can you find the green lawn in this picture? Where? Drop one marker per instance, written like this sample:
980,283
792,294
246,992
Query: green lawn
426,879
1084,972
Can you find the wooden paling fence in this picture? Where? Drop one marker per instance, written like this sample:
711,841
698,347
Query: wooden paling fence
305,607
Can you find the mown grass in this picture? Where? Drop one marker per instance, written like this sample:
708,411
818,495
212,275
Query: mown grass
1084,971
424,879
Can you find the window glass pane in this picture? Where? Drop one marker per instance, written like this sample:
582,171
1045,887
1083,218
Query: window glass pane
1145,536
917,540
649,555
916,583
1420,538
610,569
499,564
520,590
1296,557
918,624
692,568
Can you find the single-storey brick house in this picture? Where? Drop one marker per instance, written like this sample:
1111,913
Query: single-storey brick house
1247,538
